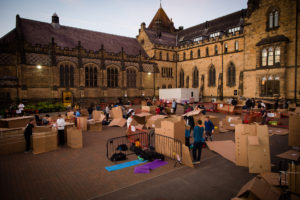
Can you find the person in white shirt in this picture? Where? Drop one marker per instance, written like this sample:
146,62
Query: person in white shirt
21,108
60,124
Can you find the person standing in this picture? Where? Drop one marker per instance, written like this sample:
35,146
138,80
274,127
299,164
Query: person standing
60,124
90,111
27,135
198,142
174,106
263,113
21,108
209,128
107,112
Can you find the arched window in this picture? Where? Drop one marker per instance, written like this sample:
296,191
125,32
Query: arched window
131,78
91,76
112,77
216,50
264,55
225,48
207,51
174,56
183,55
270,56
167,56
236,46
66,75
195,78
231,75
191,54
277,55
163,86
160,55
273,19
212,76
199,55
270,86
181,79
187,84
169,86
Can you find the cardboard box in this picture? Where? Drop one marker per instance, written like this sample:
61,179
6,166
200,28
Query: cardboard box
154,121
98,115
15,122
225,108
294,177
121,122
294,130
84,112
116,112
149,109
82,123
74,139
96,126
44,142
230,122
173,128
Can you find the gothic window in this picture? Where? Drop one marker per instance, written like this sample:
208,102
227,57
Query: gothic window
195,78
131,78
91,76
187,82
270,56
212,76
66,75
225,48
167,56
112,77
216,50
167,72
174,56
236,46
163,86
277,55
207,51
231,75
270,86
273,19
191,54
264,55
160,55
181,79
169,86
183,55
199,55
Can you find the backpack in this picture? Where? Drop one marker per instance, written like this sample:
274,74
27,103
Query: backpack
122,147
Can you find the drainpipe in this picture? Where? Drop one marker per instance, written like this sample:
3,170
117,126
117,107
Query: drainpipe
176,69
296,53
222,71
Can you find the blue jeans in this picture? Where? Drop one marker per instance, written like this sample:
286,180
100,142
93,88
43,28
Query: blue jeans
197,147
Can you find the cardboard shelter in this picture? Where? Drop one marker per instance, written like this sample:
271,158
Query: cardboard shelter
225,148
11,140
74,139
142,118
82,123
44,139
117,115
258,188
173,127
121,122
230,122
225,107
149,109
98,115
15,122
154,121
70,115
294,130
252,147
94,125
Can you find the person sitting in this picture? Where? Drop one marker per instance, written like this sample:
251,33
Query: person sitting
38,120
46,120
157,110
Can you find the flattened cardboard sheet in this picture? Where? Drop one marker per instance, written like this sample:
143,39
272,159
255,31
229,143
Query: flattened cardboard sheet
193,112
186,156
225,148
290,155
118,122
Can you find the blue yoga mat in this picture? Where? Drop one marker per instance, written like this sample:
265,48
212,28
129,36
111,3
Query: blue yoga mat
124,165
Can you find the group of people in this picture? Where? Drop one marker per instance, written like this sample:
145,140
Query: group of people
60,125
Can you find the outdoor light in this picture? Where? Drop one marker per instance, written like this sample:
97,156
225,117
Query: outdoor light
39,66
149,73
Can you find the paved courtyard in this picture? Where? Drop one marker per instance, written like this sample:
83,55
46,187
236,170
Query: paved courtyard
80,174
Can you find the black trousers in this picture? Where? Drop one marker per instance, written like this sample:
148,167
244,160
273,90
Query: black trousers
27,140
61,137
187,141
197,147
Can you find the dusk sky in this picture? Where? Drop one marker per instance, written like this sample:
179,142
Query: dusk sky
121,17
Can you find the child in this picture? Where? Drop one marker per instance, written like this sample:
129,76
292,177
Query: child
209,128
198,142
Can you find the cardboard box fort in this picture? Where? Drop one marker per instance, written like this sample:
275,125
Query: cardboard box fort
230,122
11,140
149,109
44,139
252,147
74,139
154,121
94,125
173,127
15,122
98,115
82,123
294,130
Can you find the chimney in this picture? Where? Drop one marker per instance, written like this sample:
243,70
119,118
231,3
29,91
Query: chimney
55,21
180,28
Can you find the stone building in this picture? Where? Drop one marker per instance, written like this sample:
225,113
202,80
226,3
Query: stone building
249,53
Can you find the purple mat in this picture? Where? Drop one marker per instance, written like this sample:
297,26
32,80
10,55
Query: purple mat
145,169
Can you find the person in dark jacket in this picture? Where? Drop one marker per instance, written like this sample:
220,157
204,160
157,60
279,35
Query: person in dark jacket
90,111
209,128
198,142
249,104
234,102
27,135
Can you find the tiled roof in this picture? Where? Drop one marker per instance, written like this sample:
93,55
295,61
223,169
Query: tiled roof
164,39
220,24
37,32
